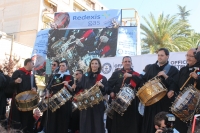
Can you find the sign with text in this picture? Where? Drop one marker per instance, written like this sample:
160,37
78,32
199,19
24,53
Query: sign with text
109,65
127,41
40,50
88,19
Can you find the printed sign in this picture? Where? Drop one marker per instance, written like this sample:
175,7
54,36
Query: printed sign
127,41
88,19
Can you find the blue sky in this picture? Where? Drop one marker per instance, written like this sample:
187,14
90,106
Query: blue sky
144,7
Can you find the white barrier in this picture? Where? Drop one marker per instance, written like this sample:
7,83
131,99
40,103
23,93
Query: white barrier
139,62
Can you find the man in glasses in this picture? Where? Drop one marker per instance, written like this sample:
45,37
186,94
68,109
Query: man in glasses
54,65
185,72
74,124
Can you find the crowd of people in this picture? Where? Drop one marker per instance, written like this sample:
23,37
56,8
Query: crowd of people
136,119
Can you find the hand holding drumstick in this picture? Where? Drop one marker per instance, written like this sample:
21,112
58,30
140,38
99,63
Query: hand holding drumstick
98,83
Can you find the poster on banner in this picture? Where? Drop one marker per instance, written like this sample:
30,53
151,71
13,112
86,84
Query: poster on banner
109,65
79,46
88,19
40,51
127,41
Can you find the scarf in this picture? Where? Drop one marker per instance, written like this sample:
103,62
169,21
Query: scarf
132,82
26,71
63,73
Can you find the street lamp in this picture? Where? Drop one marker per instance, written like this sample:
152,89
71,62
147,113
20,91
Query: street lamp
2,34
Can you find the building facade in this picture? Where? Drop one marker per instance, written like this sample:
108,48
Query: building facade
24,18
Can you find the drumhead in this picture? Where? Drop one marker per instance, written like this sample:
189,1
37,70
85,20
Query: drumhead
26,96
183,98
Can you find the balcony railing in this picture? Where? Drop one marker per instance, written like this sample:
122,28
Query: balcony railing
53,2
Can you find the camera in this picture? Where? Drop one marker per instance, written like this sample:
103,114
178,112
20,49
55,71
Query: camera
169,122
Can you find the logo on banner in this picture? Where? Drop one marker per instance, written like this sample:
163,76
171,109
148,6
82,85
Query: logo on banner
106,15
106,68
120,51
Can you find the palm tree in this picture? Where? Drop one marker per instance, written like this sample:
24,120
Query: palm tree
192,41
183,13
163,32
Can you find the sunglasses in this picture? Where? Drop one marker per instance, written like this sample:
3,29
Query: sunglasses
53,64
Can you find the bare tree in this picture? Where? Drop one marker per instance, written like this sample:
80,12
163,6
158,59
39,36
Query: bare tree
10,64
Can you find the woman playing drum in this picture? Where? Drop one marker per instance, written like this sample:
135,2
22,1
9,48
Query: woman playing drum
91,119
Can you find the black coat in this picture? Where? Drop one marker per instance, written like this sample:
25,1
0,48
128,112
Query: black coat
19,119
74,122
183,76
165,102
2,97
91,119
58,121
130,121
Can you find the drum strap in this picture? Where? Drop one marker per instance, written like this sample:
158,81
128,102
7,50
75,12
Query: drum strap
167,68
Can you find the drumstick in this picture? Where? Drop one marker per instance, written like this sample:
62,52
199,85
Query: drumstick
59,84
187,80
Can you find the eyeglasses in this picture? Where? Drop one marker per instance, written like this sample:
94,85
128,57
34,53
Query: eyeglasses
190,56
53,64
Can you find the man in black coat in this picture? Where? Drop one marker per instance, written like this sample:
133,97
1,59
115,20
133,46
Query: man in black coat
21,81
74,124
130,121
169,76
184,74
59,120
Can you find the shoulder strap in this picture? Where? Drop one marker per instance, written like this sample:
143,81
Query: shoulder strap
167,68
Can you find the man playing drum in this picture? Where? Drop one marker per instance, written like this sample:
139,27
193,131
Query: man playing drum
168,76
21,82
130,121
58,121
184,74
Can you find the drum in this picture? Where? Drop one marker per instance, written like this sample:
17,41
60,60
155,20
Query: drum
95,95
27,100
42,106
152,92
88,98
186,103
123,100
82,100
59,99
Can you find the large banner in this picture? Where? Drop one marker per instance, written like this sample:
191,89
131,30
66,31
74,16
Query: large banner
88,19
109,65
79,46
40,51
127,41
